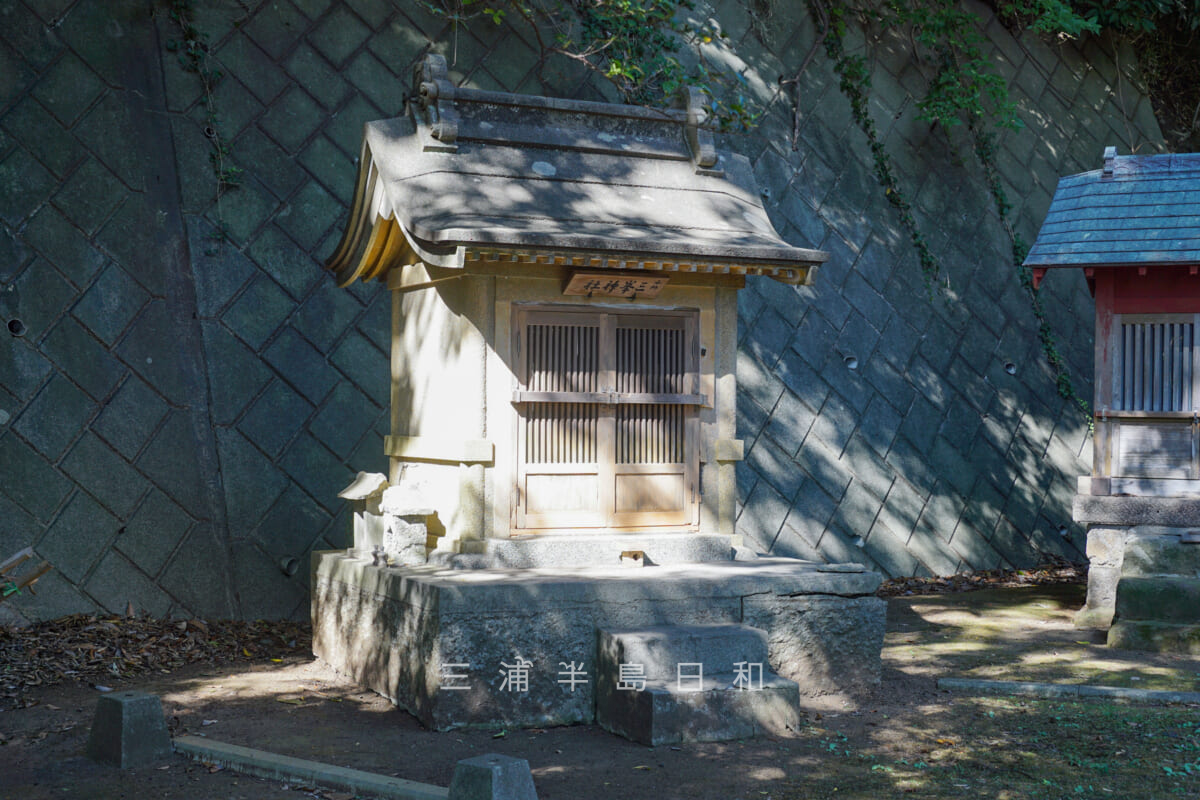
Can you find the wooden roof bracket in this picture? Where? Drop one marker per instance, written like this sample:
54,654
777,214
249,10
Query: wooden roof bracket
1110,158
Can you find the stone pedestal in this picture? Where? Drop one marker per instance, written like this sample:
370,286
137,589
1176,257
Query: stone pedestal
1144,559
518,647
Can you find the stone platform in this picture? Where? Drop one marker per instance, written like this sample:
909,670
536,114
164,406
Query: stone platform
518,647
1144,555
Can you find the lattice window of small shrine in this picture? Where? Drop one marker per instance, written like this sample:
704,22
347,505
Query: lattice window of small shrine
1154,390
608,427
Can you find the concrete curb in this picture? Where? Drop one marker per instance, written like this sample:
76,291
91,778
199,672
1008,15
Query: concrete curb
285,768
1033,689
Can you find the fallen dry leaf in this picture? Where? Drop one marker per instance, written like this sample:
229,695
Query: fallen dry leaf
95,649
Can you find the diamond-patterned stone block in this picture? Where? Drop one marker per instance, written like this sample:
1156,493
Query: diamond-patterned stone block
68,88
346,416
339,35
366,366
277,27
36,298
96,467
316,469
285,261
53,419
78,537
331,167
256,70
172,462
309,214
198,574
153,532
310,70
265,587
259,311
292,524
275,417
302,365
130,417
116,584
219,269
236,374
110,304
31,124
29,480
89,195
24,184
377,82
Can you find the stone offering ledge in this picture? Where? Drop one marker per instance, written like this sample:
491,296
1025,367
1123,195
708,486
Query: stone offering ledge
700,582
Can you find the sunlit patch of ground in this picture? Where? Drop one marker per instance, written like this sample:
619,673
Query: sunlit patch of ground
1022,634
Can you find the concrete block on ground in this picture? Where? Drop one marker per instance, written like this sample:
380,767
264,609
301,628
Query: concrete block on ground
1155,636
129,730
492,777
661,649
1161,554
1169,599
711,709
690,683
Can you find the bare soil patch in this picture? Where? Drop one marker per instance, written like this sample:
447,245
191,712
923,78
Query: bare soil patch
907,739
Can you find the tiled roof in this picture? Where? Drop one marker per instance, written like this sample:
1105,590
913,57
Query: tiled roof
1137,210
468,171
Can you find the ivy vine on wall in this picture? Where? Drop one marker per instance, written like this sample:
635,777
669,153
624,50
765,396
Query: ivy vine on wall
647,49
191,48
964,89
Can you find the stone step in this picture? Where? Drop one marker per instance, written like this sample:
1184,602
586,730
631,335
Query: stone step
1168,599
1155,636
661,713
660,650
694,683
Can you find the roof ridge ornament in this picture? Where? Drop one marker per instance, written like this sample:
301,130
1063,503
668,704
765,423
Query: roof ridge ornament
435,98
699,138
1110,158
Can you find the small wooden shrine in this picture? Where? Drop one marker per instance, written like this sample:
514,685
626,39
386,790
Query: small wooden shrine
564,279
561,490
1133,227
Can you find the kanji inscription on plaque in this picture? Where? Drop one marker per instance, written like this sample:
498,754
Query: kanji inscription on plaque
600,284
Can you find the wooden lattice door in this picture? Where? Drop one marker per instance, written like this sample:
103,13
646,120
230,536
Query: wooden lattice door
608,428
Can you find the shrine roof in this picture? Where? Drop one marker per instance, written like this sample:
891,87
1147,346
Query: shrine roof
467,173
1137,210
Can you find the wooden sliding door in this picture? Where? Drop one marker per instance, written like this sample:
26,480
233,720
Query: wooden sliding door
607,416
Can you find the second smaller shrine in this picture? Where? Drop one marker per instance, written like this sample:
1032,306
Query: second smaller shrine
1133,229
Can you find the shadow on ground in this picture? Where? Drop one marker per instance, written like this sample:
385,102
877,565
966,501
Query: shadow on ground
906,738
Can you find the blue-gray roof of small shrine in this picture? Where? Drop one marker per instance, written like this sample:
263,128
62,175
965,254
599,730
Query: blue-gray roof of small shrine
473,169
1136,210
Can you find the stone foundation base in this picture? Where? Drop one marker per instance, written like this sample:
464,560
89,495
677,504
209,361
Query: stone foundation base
517,647
1133,537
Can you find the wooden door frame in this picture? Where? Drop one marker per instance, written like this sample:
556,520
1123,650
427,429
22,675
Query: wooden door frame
606,455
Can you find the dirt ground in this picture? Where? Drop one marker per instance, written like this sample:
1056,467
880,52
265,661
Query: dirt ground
299,707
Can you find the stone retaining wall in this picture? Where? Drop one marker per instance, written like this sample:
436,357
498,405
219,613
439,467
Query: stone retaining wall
179,406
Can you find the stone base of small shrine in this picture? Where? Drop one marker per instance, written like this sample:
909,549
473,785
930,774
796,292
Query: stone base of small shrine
589,550
448,645
1144,571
